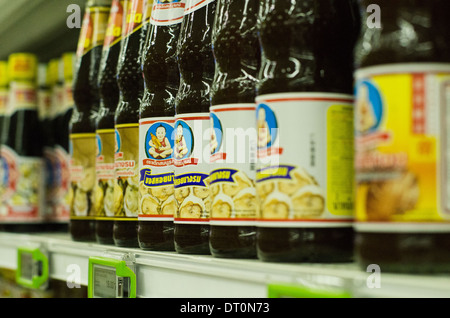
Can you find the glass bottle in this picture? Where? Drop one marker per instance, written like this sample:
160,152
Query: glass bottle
401,138
304,119
161,78
82,123
131,86
233,169
109,99
191,156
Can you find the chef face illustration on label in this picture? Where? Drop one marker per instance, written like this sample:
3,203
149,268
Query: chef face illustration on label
216,133
266,126
368,108
184,141
159,142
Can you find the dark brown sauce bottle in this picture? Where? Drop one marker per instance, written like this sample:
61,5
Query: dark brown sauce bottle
109,99
237,56
412,41
131,86
45,83
307,47
196,64
82,124
62,117
161,76
21,150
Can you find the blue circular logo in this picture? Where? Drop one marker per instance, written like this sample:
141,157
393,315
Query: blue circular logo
184,140
99,145
118,141
267,126
159,141
216,133
368,107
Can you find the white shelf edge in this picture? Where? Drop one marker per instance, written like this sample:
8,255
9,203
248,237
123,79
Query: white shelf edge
168,274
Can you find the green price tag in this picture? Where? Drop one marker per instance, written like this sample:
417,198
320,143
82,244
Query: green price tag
297,291
110,278
32,267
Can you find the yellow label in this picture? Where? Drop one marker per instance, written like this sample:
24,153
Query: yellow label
340,189
104,189
126,187
82,175
401,125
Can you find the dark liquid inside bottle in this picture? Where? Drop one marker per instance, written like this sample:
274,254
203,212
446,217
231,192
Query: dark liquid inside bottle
162,80
237,56
307,47
109,99
196,64
87,102
425,40
131,86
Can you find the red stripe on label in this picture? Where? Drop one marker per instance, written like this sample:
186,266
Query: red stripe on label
156,121
315,99
193,118
231,109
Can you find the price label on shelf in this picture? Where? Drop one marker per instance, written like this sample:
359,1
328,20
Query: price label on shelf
32,267
111,278
281,290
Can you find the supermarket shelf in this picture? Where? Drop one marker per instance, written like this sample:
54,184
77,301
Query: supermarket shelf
172,275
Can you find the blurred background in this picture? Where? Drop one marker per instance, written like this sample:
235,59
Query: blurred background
37,26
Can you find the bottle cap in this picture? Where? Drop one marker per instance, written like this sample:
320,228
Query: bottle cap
22,66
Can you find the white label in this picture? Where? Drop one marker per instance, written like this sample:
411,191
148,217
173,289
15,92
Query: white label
305,165
156,188
22,96
22,187
191,161
193,5
167,12
233,164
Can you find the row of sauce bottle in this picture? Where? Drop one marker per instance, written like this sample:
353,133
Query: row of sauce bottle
35,109
290,131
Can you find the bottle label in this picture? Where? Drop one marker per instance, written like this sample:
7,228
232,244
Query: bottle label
233,164
126,187
138,14
105,172
305,159
191,162
156,189
100,22
193,5
63,195
22,96
167,12
82,175
44,98
115,22
402,163
22,187
85,40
